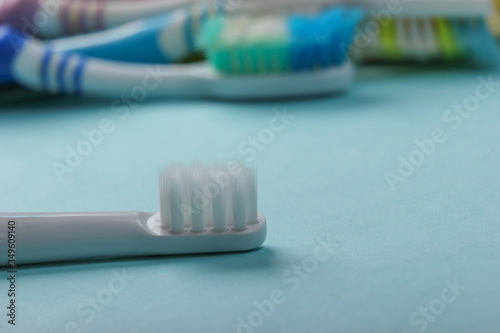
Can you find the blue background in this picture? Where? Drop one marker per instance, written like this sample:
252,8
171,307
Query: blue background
321,176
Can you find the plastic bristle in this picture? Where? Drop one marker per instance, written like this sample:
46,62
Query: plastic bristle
431,39
322,41
217,186
210,31
276,44
484,50
238,206
195,191
446,39
350,20
199,198
176,193
251,193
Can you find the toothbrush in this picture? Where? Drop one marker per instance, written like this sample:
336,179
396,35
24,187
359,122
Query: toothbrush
203,209
426,30
50,18
165,38
170,37
276,57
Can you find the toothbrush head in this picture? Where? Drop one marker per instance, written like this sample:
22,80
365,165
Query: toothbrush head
243,44
428,39
216,198
10,42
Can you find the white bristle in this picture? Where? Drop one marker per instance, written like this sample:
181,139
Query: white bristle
236,29
164,200
431,43
202,198
238,196
267,27
218,185
415,37
251,195
174,191
195,192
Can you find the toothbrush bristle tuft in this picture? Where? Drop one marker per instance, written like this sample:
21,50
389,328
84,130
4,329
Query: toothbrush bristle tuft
216,197
242,44
431,39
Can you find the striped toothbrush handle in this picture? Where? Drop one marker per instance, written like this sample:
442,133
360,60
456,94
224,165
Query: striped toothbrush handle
166,38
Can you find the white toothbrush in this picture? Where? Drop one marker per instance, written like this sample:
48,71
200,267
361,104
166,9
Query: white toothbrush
203,209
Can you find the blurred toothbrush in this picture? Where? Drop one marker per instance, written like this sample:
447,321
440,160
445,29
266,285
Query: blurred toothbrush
424,31
170,37
165,38
250,57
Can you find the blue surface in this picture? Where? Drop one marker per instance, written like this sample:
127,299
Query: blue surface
323,175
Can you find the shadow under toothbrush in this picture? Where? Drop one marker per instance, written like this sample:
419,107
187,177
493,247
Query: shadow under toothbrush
381,71
261,258
24,98
14,94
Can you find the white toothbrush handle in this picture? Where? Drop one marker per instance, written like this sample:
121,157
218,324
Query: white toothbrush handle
27,238
37,237
108,78
38,67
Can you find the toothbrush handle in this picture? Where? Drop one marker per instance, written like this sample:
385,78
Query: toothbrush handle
45,237
160,39
34,64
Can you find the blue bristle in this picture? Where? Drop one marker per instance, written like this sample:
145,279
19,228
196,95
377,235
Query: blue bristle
320,40
350,21
479,44
467,36
334,40
297,26
485,51
331,36
457,32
